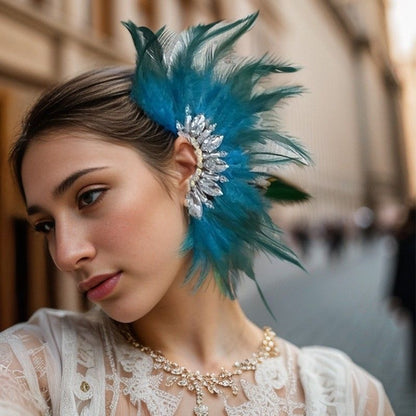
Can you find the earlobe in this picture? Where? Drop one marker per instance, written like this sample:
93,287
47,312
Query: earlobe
185,160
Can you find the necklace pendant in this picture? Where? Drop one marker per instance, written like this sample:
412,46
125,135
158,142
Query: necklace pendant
201,410
214,383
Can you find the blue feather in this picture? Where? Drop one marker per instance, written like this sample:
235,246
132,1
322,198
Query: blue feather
196,70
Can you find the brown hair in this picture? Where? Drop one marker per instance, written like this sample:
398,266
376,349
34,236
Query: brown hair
98,102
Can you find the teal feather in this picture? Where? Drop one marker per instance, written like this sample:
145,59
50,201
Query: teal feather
222,48
197,69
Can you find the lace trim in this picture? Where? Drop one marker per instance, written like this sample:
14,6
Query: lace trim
19,379
109,377
324,377
113,382
273,392
142,386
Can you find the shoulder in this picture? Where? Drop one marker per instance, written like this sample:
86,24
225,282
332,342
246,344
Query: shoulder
43,334
40,320
331,380
330,361
34,357
330,364
55,332
45,323
29,364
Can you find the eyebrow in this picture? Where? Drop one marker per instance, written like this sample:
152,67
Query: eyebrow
65,185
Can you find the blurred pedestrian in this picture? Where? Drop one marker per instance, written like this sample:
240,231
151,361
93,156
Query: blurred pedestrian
335,239
403,291
301,237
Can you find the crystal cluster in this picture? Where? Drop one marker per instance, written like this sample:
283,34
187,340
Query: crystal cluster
204,183
195,381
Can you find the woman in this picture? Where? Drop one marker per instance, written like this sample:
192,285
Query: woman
151,189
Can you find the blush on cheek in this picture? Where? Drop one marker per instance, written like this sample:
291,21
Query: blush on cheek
147,232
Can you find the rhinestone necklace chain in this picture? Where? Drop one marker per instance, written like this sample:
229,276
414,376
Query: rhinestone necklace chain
197,382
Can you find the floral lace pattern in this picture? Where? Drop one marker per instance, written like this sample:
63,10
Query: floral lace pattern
272,393
141,386
60,363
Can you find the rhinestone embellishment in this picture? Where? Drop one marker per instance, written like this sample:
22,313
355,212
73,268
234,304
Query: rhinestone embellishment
195,381
85,387
201,410
204,183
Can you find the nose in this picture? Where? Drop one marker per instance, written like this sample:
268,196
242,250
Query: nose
71,247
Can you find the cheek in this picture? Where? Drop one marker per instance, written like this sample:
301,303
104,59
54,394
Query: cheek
149,230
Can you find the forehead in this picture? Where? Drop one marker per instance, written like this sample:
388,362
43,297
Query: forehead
50,159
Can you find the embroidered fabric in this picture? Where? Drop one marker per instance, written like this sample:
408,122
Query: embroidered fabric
62,363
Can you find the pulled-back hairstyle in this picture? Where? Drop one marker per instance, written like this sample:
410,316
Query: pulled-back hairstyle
95,102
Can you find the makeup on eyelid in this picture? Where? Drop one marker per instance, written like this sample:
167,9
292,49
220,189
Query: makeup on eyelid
118,227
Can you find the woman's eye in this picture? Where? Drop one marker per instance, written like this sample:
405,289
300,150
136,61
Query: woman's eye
89,197
44,227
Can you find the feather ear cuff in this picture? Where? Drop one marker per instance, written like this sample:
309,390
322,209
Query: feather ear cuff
193,85
204,183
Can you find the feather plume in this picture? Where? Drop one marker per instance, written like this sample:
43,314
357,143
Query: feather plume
198,70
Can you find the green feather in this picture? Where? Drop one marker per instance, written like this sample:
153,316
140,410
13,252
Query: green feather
282,191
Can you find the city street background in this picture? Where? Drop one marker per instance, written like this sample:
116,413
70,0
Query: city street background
356,118
358,60
341,303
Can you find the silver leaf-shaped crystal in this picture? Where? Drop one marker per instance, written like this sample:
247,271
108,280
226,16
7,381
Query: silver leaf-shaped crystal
188,120
198,125
206,133
215,165
209,187
211,176
207,202
211,143
214,155
204,199
204,183
194,204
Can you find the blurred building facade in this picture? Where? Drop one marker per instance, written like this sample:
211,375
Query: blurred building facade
406,67
349,118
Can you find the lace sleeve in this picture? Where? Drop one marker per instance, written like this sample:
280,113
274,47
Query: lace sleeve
331,381
26,373
370,397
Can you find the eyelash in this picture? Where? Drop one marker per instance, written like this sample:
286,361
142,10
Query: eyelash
99,191
40,227
45,227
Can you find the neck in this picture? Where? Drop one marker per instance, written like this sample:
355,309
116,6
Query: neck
202,331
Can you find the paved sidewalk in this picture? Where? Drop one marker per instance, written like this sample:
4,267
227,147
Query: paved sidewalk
341,305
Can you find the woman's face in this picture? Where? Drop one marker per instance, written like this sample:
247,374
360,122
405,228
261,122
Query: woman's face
107,219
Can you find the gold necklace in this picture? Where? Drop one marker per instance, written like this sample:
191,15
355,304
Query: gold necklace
196,382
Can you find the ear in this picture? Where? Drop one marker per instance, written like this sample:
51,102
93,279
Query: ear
185,161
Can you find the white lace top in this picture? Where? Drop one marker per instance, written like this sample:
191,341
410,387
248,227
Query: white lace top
63,363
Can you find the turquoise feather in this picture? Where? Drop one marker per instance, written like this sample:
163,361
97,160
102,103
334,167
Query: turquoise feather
197,69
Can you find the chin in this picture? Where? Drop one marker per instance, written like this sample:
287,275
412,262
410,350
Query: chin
122,314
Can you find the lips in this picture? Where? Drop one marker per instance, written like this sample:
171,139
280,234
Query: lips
100,286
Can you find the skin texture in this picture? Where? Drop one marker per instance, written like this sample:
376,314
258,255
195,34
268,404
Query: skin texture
116,216
90,234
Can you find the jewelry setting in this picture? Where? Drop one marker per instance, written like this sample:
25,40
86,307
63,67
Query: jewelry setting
204,181
194,85
197,382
